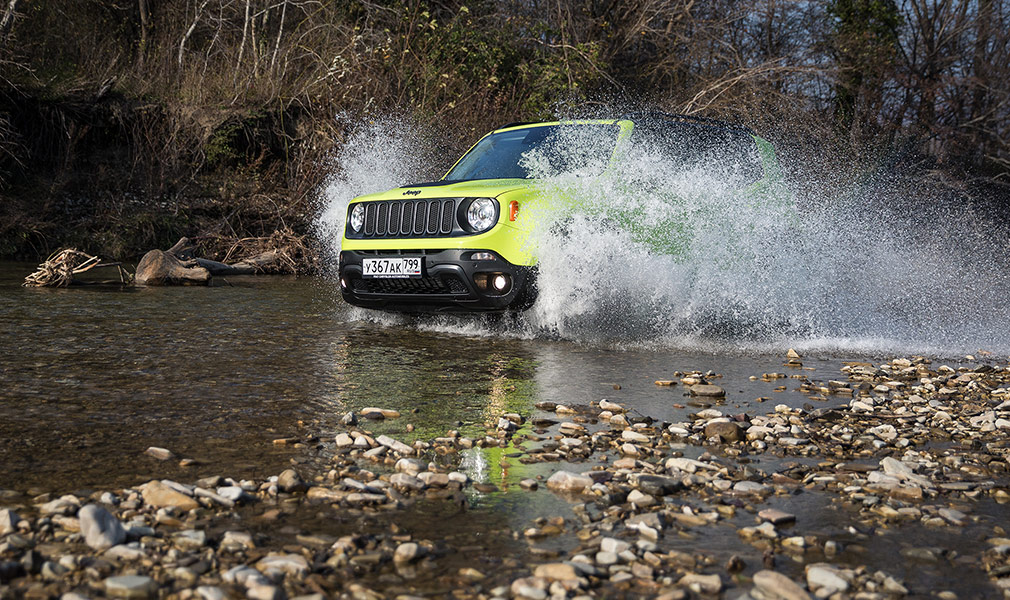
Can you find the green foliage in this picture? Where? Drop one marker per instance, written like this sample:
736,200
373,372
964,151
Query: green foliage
864,42
100,101
221,148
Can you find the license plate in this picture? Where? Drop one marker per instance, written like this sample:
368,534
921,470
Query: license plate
391,267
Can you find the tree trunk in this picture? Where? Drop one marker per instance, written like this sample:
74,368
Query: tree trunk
145,26
7,21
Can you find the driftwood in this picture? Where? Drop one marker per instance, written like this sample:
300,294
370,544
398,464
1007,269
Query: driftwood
219,268
158,267
283,251
61,267
179,265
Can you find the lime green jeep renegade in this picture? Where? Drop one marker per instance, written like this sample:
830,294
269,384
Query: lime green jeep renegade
463,243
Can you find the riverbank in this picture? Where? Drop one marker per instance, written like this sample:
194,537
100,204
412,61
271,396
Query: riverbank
896,491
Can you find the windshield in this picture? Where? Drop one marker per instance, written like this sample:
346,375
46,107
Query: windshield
536,152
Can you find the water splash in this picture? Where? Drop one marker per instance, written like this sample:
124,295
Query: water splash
879,267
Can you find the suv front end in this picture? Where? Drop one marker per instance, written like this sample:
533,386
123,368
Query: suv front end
453,247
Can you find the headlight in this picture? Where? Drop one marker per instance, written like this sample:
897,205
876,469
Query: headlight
482,214
357,217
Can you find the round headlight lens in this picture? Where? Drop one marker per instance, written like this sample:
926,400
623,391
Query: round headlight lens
481,214
357,217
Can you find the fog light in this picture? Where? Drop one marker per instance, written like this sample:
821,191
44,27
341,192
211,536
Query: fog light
495,283
343,282
482,256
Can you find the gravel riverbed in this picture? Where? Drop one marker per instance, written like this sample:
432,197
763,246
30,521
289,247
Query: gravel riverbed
920,446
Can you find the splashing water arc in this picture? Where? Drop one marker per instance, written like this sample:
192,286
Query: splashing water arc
867,268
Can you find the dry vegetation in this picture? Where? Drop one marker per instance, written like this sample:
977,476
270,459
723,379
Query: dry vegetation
125,124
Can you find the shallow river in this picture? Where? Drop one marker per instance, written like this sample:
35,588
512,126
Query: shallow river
91,377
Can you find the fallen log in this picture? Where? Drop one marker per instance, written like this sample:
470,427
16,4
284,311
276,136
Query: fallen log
158,267
220,268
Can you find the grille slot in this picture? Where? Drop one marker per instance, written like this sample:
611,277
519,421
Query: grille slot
370,211
420,212
407,222
432,223
446,226
380,226
394,218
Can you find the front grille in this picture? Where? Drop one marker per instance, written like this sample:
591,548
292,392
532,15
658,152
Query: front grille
411,218
446,284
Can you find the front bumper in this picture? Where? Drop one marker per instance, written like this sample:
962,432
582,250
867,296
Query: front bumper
450,281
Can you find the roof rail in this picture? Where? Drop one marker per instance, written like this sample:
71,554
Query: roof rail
515,124
655,114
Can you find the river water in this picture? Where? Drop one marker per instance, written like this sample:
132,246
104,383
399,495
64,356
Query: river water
94,375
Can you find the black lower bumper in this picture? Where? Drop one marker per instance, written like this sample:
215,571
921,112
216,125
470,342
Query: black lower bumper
450,281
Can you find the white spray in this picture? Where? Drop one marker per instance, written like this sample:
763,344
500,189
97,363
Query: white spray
841,272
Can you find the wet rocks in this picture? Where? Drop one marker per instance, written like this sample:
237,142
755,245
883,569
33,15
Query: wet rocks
707,391
395,445
648,497
725,431
290,481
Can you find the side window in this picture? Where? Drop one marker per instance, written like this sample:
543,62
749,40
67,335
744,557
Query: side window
728,153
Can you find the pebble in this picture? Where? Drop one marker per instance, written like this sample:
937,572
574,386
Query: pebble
160,453
290,481
776,517
701,584
394,445
707,390
8,521
130,586
158,494
824,580
630,502
293,565
726,431
556,572
100,528
776,586
408,551
565,481
386,413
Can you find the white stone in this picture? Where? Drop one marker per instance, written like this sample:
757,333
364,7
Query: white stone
8,521
826,577
101,530
290,564
130,586
125,552
614,545
394,445
631,435
210,592
565,481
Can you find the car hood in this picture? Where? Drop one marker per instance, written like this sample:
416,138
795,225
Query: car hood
487,188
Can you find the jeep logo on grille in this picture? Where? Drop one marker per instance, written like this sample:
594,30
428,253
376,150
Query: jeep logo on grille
411,192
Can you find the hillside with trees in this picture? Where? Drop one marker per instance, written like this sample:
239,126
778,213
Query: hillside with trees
126,124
